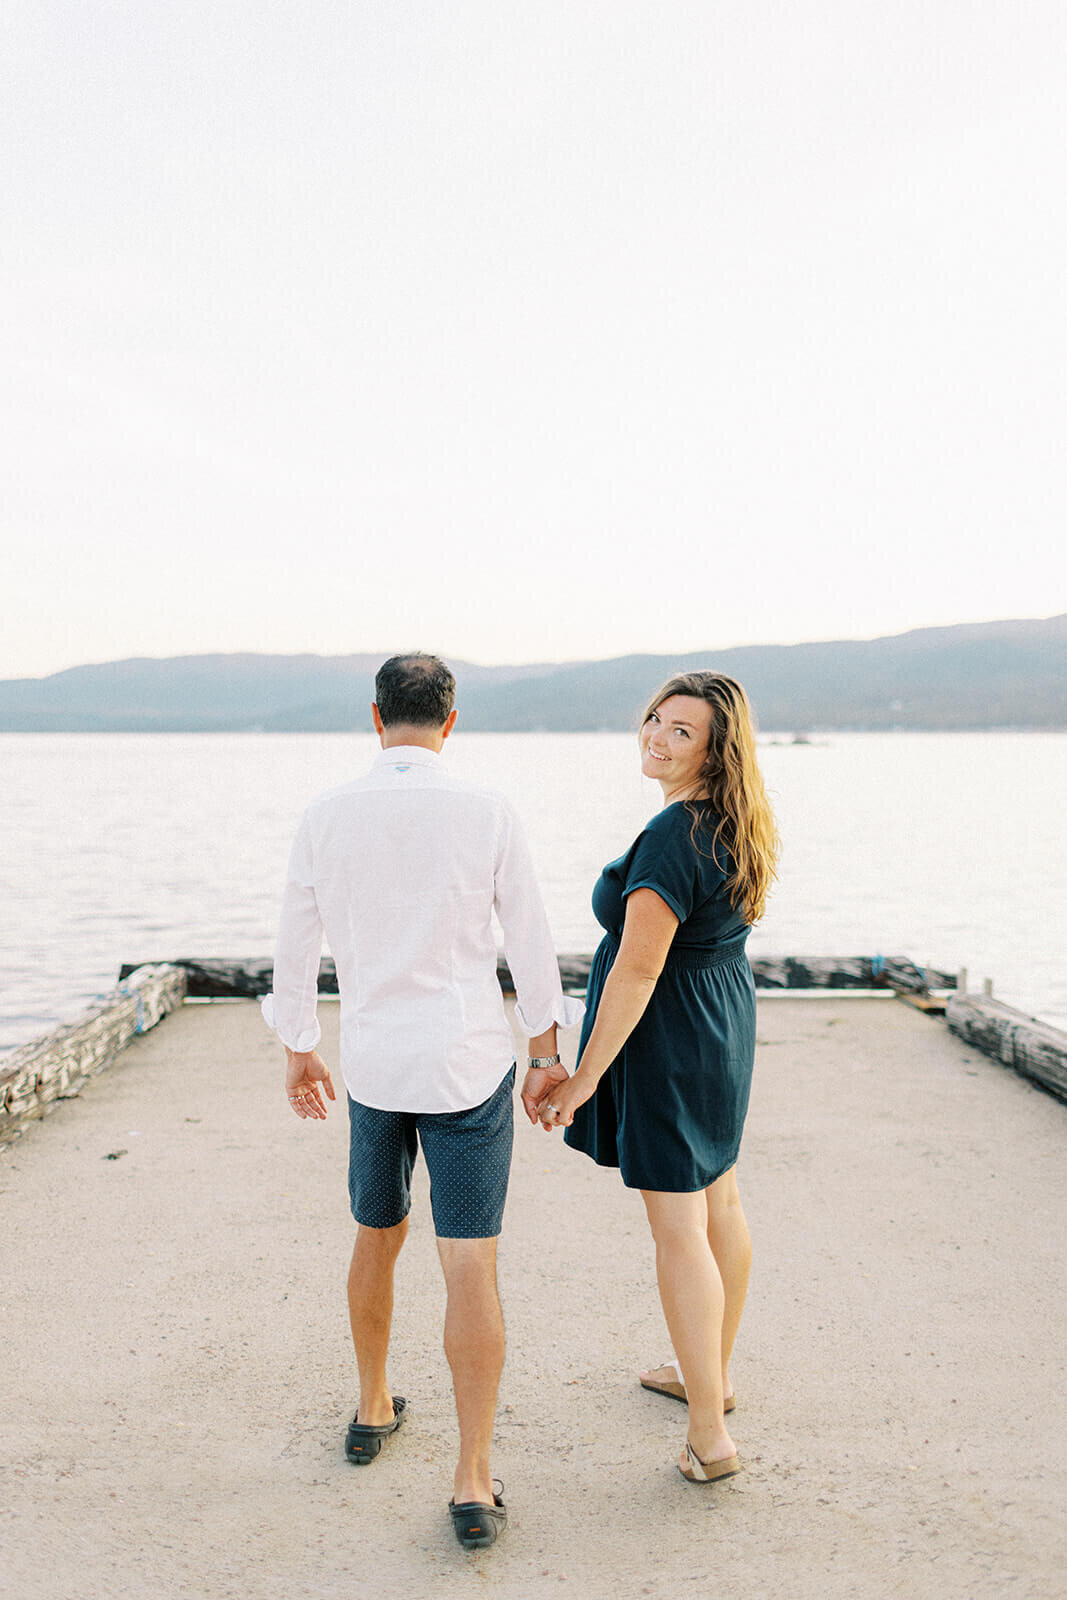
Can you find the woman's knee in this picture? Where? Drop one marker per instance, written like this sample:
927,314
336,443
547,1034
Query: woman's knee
722,1194
676,1220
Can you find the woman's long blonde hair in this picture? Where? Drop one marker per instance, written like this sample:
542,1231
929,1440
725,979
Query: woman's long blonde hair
732,781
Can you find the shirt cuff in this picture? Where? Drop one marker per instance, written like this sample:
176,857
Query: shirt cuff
307,1039
566,1012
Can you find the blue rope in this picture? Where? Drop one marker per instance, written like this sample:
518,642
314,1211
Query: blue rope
123,991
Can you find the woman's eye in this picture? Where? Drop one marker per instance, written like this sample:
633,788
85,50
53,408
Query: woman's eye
683,731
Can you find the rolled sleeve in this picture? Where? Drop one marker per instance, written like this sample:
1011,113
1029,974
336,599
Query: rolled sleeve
528,946
290,1010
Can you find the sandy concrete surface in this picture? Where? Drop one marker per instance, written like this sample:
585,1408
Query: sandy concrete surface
177,1374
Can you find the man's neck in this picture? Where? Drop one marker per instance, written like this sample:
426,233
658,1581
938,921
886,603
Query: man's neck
404,733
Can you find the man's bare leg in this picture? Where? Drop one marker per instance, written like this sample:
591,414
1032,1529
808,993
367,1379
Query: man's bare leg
474,1345
370,1312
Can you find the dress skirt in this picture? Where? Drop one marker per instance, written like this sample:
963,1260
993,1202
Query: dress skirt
670,1110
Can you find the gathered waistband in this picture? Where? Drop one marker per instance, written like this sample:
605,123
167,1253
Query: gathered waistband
716,956
702,955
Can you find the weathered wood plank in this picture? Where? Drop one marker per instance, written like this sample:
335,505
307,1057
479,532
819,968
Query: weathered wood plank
1029,1047
234,978
34,1078
848,972
930,1005
223,977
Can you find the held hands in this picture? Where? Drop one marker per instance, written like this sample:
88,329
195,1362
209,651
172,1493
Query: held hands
557,1106
304,1073
539,1082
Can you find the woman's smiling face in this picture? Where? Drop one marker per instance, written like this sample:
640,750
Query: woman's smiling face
674,742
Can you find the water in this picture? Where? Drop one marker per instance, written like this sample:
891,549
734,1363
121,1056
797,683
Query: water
125,847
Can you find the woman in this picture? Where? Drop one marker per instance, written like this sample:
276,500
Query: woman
665,1059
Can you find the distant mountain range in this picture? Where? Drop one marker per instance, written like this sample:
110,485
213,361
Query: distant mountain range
976,675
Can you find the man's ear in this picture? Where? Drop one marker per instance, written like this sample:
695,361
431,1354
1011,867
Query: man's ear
376,717
450,722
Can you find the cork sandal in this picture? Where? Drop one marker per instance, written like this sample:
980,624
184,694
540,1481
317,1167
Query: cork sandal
674,1389
697,1471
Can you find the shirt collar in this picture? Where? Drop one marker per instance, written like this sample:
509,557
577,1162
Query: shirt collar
407,755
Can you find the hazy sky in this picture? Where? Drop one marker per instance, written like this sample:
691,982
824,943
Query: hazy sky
527,331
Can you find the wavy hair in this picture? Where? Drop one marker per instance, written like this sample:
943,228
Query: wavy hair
732,781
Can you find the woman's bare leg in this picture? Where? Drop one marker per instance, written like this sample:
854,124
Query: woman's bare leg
693,1299
731,1245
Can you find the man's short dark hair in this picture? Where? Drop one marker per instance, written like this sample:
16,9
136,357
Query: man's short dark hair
415,689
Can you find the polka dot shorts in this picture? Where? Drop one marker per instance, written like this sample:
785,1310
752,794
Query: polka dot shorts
468,1157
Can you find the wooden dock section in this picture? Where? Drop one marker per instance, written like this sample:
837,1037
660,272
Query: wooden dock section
178,1375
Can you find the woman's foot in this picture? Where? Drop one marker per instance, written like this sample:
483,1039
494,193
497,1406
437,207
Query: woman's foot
667,1380
709,1452
706,1469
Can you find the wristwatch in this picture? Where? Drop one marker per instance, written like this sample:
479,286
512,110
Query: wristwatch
539,1062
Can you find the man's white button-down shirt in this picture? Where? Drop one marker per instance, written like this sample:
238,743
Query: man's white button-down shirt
403,870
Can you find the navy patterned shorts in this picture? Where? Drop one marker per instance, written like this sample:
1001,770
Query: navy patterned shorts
468,1157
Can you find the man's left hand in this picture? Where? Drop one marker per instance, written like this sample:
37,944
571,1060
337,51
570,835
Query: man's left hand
562,1100
536,1084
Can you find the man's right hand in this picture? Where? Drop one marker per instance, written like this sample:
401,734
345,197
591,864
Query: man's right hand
305,1072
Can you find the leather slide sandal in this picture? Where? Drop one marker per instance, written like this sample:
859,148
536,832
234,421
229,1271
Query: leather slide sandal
476,1525
363,1444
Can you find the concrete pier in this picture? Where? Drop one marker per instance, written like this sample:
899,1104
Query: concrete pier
177,1371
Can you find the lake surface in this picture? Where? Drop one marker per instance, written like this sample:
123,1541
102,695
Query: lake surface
947,848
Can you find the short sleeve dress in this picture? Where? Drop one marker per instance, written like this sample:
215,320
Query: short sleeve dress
670,1110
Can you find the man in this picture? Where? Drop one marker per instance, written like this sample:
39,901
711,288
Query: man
403,869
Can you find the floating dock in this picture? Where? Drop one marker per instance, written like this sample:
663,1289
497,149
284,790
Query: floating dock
178,1372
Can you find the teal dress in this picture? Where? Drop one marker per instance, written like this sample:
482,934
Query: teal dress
670,1110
